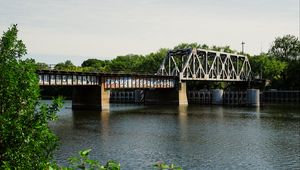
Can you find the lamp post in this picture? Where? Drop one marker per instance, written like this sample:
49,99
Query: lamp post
243,43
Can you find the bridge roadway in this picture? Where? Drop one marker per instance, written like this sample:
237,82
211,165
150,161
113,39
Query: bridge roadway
109,80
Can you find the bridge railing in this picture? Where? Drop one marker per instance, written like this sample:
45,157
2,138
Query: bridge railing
128,82
56,78
109,80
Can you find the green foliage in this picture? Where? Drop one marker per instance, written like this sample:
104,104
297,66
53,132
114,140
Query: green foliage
26,142
83,162
204,46
281,65
292,75
95,65
66,66
286,47
164,166
270,67
151,62
126,64
148,64
42,66
188,45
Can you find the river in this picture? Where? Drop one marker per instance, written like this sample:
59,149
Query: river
193,137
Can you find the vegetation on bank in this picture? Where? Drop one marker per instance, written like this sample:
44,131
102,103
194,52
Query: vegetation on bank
84,162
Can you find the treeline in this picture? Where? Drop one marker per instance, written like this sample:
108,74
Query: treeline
279,66
131,63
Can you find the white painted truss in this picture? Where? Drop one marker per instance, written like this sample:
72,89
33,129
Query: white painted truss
200,64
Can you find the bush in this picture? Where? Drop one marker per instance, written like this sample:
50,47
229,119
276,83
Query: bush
26,142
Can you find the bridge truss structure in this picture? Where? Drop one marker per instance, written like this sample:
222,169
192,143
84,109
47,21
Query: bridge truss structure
200,64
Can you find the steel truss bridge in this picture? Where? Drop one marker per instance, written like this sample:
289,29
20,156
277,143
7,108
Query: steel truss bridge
167,86
200,64
177,66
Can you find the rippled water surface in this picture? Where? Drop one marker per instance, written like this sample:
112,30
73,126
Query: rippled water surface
194,137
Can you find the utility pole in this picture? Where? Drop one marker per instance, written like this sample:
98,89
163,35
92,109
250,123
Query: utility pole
260,71
243,43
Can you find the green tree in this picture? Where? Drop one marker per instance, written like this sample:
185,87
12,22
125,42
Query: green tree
42,66
293,75
66,66
204,46
151,63
187,45
271,68
286,47
95,65
26,142
126,64
226,49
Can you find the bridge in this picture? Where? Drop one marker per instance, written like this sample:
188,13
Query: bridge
200,64
167,86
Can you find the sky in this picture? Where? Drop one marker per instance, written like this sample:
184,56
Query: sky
56,30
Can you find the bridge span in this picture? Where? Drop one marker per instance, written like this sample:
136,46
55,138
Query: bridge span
167,86
92,90
108,80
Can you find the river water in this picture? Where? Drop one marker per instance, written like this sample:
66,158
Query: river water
193,137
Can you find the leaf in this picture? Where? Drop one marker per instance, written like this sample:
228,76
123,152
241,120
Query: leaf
85,153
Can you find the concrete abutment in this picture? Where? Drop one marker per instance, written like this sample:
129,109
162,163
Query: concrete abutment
86,97
167,96
90,98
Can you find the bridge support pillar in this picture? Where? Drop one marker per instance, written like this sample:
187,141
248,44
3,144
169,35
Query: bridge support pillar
86,98
217,96
161,96
167,96
90,98
253,97
105,97
182,95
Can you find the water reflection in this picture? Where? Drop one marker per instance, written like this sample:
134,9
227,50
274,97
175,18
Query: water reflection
105,121
195,137
257,112
183,121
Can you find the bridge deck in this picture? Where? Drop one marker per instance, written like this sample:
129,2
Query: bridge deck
109,80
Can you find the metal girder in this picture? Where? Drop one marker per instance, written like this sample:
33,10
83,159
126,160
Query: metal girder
200,64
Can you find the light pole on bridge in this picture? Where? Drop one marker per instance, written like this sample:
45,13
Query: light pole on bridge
243,43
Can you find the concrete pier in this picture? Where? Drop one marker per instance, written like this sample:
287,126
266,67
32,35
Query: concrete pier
105,97
161,96
86,97
167,96
182,95
90,98
253,97
217,96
